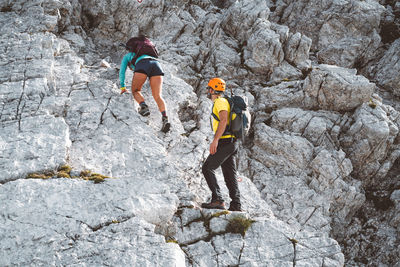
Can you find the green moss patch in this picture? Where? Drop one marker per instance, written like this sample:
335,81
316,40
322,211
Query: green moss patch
239,225
63,174
85,173
64,168
372,104
64,171
171,241
220,213
37,176
95,177
47,174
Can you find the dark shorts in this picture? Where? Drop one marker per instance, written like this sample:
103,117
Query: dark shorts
150,67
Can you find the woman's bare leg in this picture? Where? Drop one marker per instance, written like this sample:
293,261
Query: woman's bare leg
156,90
137,83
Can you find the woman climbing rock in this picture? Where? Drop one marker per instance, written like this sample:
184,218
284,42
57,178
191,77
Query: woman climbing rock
142,60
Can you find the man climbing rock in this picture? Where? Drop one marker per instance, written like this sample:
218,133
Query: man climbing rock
223,149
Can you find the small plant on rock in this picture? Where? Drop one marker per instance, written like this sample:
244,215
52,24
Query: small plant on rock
64,168
220,213
372,104
37,176
239,225
64,171
85,173
63,174
95,177
170,239
47,174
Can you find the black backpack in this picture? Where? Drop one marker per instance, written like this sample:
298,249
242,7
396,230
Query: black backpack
240,125
141,46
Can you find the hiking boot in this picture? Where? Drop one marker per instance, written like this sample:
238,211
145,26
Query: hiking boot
144,110
165,124
214,205
235,207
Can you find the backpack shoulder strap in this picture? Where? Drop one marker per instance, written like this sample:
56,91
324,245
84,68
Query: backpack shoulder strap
231,105
135,58
213,114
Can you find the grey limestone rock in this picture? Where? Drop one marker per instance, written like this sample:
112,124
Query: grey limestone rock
297,50
331,171
318,127
343,32
277,150
64,221
37,143
243,15
395,197
388,68
334,88
368,141
284,94
350,52
313,133
264,50
285,72
266,242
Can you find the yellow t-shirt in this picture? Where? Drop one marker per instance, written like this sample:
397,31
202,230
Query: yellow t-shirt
220,104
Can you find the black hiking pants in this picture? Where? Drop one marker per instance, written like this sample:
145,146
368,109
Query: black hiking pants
224,157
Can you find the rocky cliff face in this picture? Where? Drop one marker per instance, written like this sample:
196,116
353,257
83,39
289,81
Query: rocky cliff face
86,181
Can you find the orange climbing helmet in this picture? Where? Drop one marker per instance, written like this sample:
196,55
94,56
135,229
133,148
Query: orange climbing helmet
217,84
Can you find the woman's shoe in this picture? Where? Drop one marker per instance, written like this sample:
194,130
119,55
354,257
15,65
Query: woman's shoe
144,110
165,124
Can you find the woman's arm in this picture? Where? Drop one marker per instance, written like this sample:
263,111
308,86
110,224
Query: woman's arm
122,70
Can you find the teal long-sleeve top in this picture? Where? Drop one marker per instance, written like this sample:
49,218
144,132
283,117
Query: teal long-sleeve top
124,64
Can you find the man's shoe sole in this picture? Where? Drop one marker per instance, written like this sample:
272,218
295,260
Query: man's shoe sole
214,208
205,206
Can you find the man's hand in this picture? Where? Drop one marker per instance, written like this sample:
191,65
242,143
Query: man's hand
123,90
213,147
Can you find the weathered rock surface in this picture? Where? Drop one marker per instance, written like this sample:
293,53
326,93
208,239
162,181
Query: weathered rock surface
42,143
334,191
264,50
319,167
68,222
344,33
370,148
258,247
388,68
337,89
